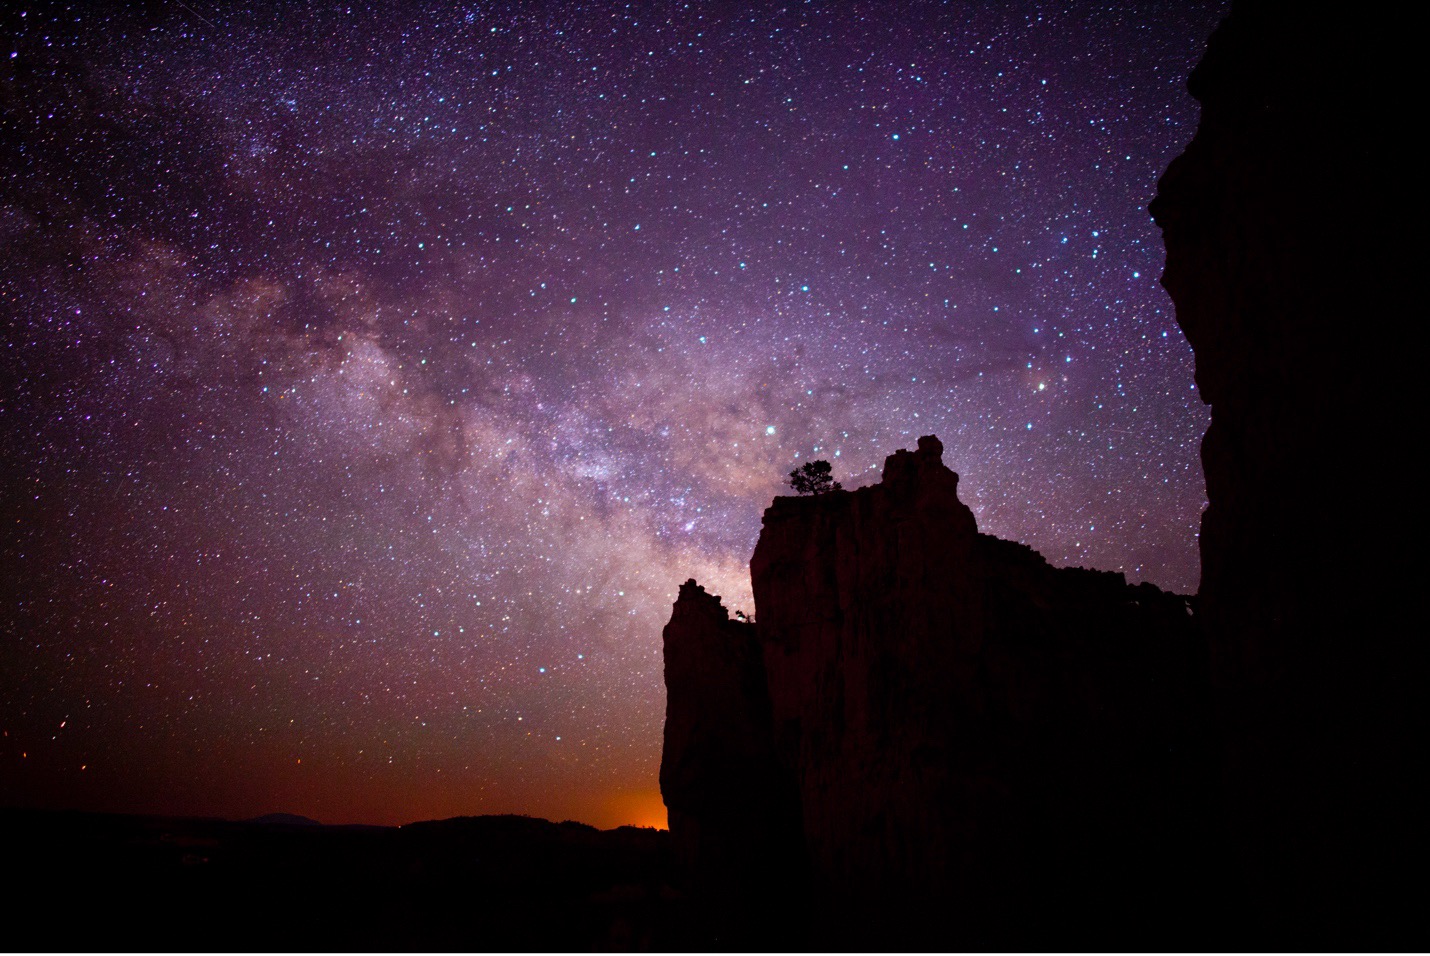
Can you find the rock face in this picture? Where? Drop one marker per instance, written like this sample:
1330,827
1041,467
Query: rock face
967,729
728,799
1278,221
973,733
733,814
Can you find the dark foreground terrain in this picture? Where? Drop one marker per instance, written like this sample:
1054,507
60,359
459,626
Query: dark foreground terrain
109,882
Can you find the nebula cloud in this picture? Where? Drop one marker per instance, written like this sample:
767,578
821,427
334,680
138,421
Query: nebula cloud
374,376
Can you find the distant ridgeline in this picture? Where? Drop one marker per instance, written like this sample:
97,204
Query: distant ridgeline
928,720
930,738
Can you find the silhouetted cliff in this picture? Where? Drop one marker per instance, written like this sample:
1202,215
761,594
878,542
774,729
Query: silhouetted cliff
990,752
1282,222
968,728
721,779
728,797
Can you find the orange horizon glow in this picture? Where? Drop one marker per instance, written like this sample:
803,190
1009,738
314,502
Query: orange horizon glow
266,783
638,808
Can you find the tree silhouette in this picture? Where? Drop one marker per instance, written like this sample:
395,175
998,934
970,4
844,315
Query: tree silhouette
813,478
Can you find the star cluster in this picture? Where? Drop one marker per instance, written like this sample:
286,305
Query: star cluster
375,373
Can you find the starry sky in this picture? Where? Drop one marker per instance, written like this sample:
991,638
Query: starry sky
373,374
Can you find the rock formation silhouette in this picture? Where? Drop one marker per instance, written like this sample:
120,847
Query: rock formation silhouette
725,791
1282,222
966,728
989,752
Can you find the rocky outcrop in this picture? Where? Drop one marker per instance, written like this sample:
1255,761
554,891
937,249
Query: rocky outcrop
967,728
976,734
1278,221
730,804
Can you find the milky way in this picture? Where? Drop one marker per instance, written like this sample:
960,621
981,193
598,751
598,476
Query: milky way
373,376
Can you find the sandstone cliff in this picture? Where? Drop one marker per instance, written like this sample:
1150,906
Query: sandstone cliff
724,790
965,726
1281,222
974,734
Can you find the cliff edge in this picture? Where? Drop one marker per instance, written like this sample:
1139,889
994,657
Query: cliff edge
1282,222
964,726
989,752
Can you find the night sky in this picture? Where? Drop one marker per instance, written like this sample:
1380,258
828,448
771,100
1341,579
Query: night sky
373,375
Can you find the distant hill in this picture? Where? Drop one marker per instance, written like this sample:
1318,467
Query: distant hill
283,882
285,820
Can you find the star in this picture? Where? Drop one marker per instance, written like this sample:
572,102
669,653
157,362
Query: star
374,378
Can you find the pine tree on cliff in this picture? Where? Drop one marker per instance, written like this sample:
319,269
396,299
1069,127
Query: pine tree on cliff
813,478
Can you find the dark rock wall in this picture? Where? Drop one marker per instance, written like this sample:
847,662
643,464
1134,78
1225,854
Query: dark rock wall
869,629
970,731
1281,222
1043,756
731,806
